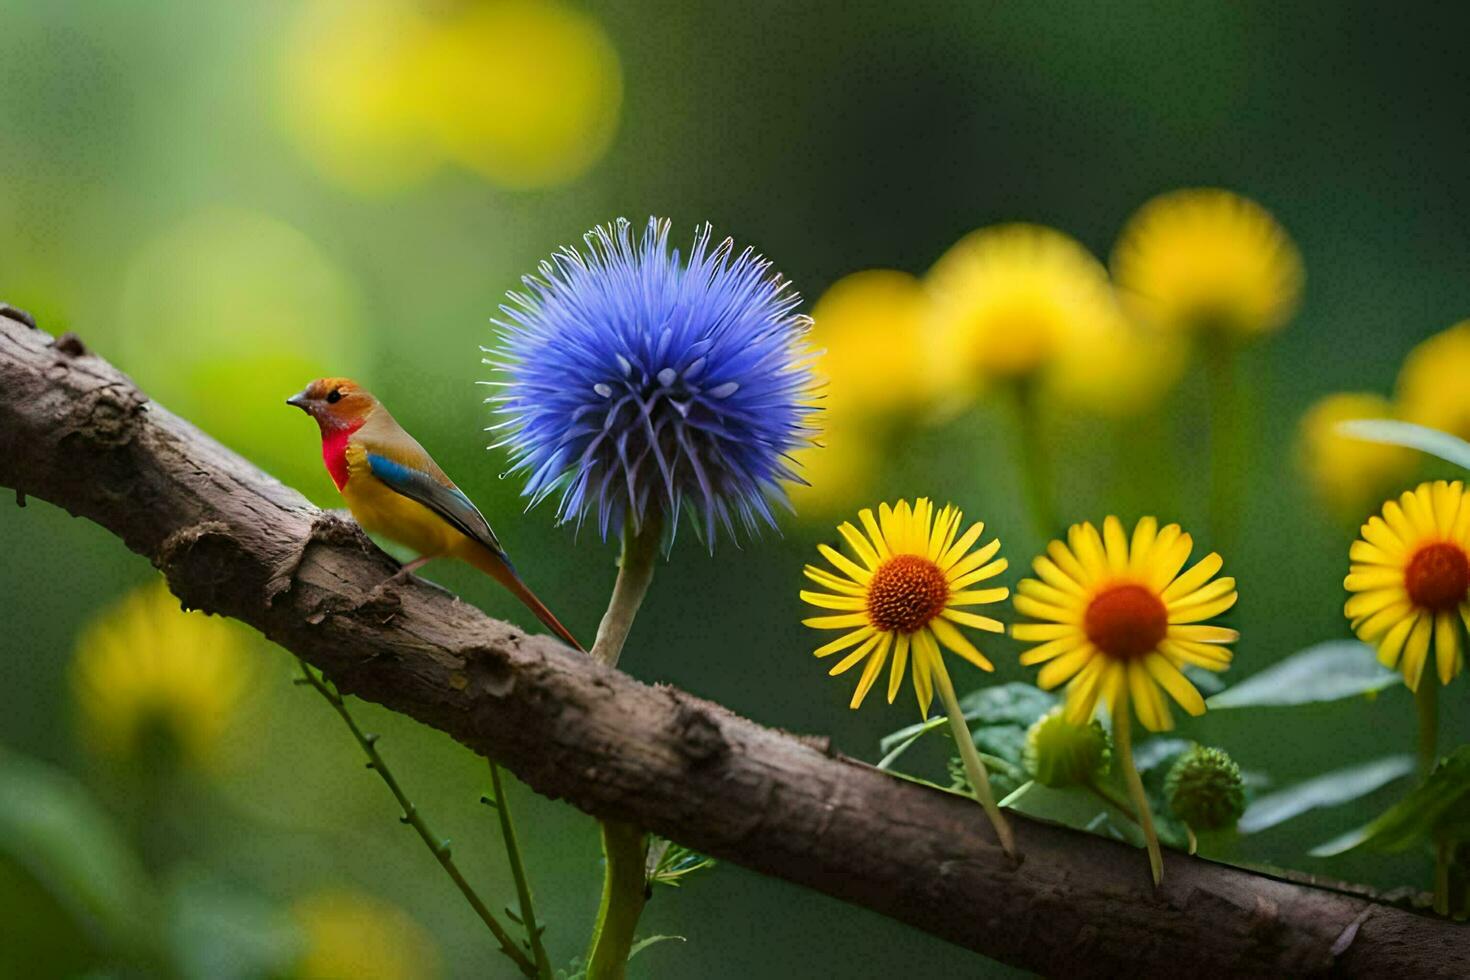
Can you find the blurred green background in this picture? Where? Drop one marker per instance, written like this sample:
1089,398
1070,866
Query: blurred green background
218,199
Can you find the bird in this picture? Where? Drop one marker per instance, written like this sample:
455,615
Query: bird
394,488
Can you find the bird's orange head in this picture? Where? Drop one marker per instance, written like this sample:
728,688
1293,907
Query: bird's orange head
335,403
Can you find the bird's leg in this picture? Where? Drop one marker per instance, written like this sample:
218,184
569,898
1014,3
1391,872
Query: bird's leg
408,569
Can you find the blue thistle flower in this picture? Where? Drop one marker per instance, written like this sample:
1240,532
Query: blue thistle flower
641,383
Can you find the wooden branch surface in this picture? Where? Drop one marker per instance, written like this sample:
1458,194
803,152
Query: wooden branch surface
234,541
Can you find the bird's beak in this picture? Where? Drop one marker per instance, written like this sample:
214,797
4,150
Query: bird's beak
299,400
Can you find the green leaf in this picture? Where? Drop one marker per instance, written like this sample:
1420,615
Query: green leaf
1451,449
1436,809
643,944
1326,672
1014,704
66,872
1333,789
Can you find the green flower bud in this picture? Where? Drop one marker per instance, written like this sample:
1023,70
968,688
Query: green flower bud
1205,790
1059,753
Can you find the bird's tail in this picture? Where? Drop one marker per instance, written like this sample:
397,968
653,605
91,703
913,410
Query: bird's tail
499,569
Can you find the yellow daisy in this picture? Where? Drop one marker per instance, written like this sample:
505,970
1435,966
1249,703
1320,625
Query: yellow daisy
1007,300
1119,620
1206,259
1431,386
905,594
1410,579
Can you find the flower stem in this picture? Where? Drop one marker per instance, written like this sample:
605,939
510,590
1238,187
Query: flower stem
1035,461
1226,428
624,891
1426,699
413,818
1107,795
518,872
635,572
974,765
1122,739
1443,852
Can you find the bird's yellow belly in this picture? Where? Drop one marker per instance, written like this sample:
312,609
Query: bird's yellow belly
382,511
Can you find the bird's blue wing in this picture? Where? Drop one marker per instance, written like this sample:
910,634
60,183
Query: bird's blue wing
449,502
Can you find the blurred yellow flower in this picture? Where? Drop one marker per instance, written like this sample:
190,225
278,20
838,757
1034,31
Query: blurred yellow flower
1432,384
351,96
1346,474
351,934
870,325
150,677
1121,372
379,93
524,92
222,311
1008,300
1205,259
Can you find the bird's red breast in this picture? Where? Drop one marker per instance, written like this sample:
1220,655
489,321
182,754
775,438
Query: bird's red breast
334,449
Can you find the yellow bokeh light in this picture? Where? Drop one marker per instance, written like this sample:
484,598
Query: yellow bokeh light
351,934
1349,476
1432,385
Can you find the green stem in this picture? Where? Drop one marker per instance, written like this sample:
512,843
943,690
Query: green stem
1035,461
635,572
1122,740
1426,699
411,816
624,891
1226,428
974,765
518,872
1443,851
1106,794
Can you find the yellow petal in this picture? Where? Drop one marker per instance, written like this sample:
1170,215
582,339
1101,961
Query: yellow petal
1416,651
973,621
824,601
1083,692
965,543
972,561
846,663
922,656
1027,606
1204,655
1064,668
1374,577
1115,544
1144,535
1203,570
1087,545
1204,593
1038,632
871,671
1048,572
1054,648
1204,634
1362,551
859,545
978,575
1067,562
1446,646
979,597
1045,593
836,622
1200,611
1151,709
845,564
1178,686
956,641
1370,628
1167,562
1377,533
844,641
875,534
827,580
1392,645
1368,603
900,661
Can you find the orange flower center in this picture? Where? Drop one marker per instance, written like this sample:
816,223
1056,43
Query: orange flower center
1126,621
1438,576
905,593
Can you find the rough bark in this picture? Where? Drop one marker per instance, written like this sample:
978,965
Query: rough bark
236,542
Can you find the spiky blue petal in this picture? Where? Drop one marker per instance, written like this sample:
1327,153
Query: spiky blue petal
639,382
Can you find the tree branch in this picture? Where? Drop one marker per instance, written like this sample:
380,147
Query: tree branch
233,541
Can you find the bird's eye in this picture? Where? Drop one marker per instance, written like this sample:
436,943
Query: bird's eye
335,396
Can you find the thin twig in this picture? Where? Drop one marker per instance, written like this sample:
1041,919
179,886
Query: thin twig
412,817
518,872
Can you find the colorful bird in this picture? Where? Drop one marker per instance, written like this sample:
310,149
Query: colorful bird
395,489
